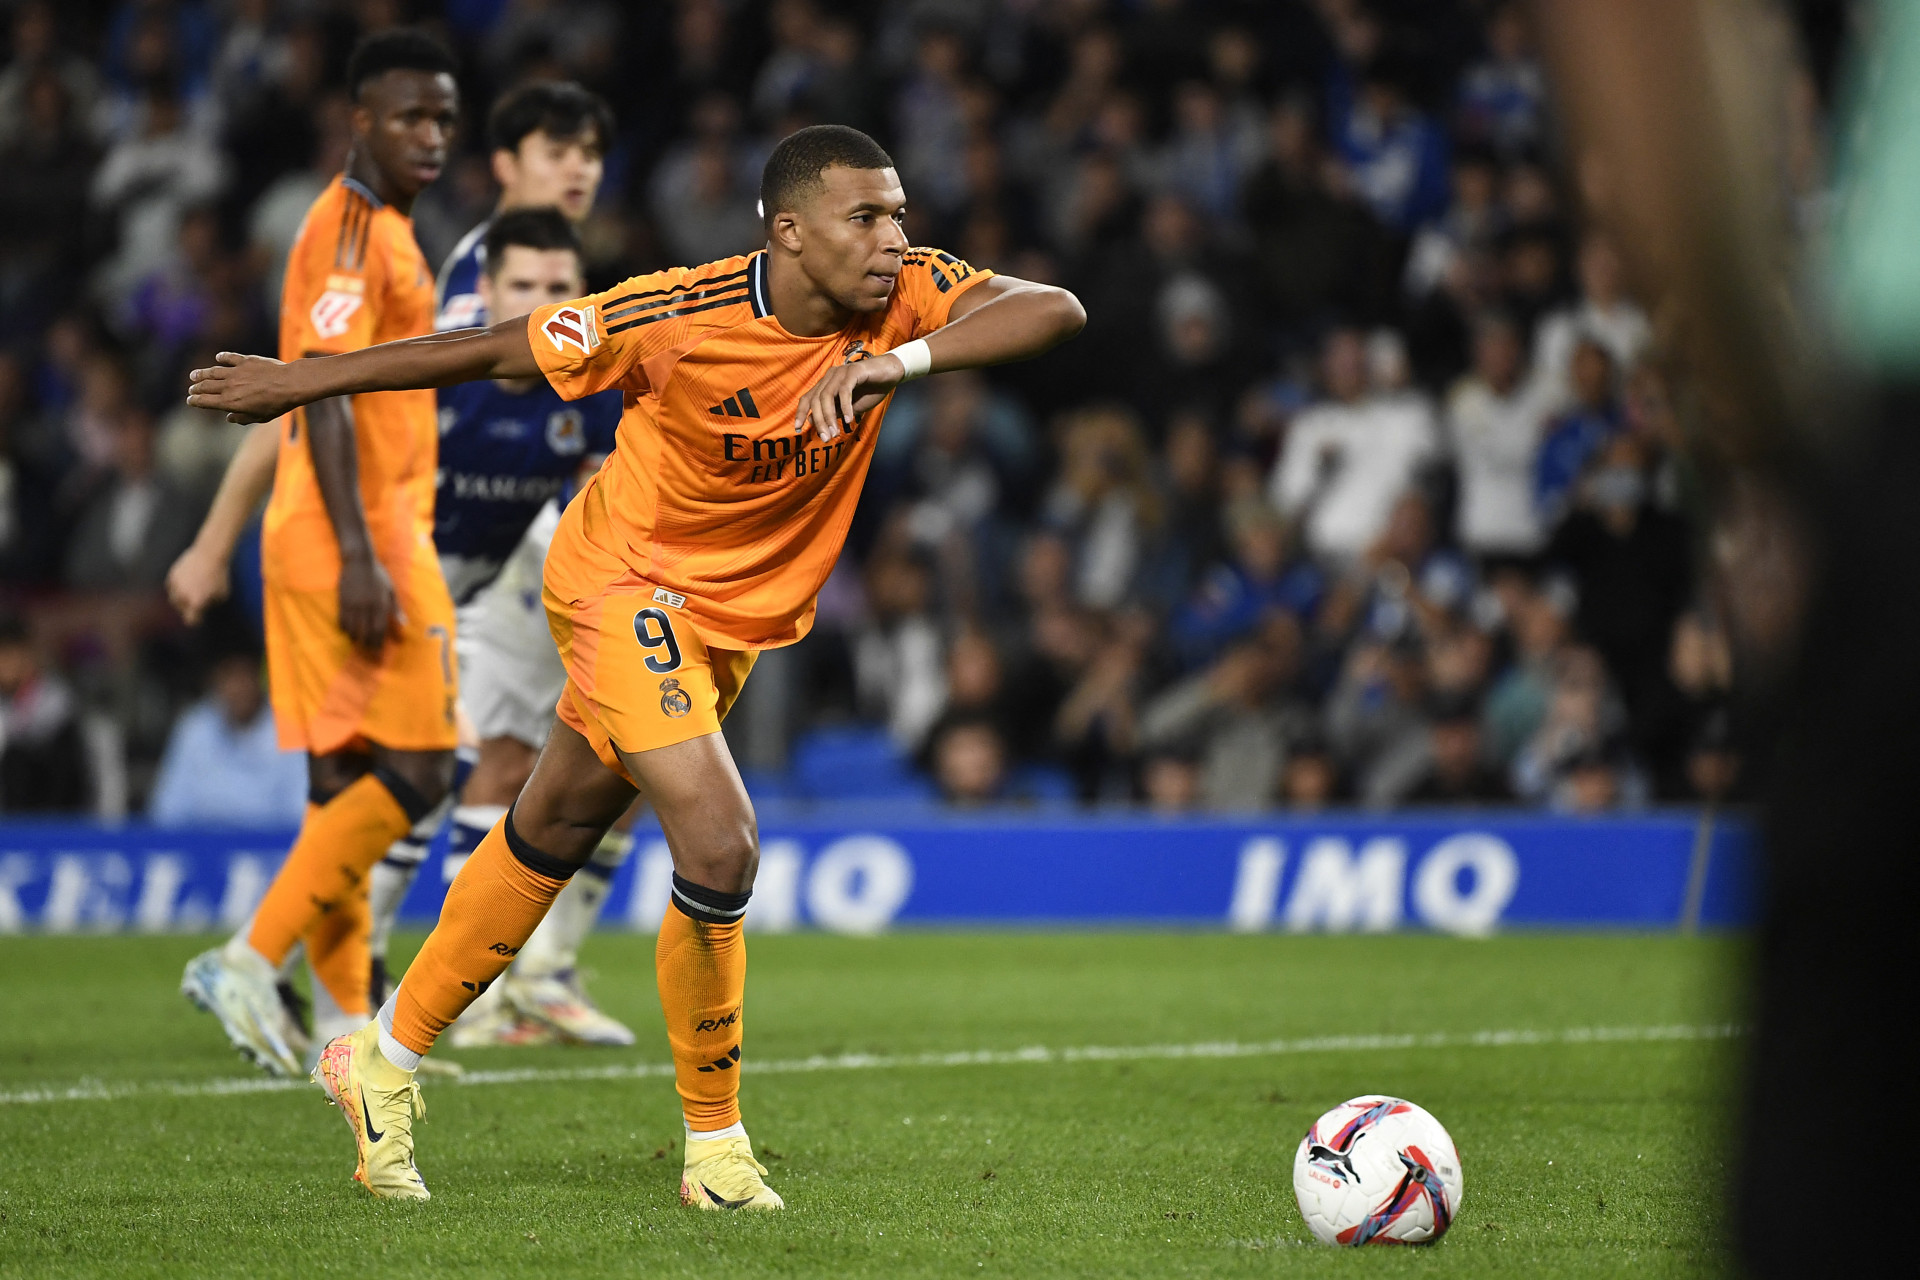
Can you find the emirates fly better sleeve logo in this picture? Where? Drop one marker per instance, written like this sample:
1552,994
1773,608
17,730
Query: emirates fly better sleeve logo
571,327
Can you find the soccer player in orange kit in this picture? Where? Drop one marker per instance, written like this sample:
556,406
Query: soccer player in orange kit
755,387
359,621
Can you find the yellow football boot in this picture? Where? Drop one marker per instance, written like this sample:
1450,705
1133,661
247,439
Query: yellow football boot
721,1173
380,1102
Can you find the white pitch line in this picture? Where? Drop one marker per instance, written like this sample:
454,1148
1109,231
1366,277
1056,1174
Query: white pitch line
98,1091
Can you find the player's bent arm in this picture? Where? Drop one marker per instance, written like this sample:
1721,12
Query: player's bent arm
199,576
998,321
255,388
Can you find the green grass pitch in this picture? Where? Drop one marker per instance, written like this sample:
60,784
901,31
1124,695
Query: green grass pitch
1583,1156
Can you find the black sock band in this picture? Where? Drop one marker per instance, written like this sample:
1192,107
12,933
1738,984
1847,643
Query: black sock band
710,905
411,802
542,864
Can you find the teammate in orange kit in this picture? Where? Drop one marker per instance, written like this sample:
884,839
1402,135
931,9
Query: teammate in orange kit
755,387
359,622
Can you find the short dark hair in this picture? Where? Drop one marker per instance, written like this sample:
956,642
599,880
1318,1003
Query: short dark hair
557,108
794,168
401,49
539,227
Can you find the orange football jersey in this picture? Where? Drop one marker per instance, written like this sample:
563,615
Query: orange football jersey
710,492
355,277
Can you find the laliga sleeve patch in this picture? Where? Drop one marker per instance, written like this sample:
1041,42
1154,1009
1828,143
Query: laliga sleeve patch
571,327
333,312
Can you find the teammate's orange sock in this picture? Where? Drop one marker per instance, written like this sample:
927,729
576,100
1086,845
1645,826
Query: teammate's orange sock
701,965
330,859
340,952
491,910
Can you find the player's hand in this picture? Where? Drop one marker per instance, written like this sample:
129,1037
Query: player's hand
847,392
196,580
368,610
245,388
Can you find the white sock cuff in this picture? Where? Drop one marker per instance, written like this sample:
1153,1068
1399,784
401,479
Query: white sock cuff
734,1130
396,1053
481,817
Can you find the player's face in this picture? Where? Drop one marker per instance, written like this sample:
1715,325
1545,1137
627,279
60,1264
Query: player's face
850,236
404,123
543,169
527,278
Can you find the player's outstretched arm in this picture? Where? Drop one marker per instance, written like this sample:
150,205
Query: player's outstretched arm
199,576
255,388
998,321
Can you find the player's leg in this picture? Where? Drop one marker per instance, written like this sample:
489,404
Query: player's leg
700,960
393,876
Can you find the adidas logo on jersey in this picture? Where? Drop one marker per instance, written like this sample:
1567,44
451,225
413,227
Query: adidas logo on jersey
738,405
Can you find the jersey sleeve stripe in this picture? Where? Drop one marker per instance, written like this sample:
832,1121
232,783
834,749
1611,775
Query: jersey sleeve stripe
678,311
625,298
628,310
757,279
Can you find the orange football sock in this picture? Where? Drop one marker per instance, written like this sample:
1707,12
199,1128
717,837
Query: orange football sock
336,847
491,910
701,966
340,952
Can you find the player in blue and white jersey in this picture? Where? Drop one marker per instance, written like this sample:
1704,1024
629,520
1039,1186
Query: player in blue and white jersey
507,459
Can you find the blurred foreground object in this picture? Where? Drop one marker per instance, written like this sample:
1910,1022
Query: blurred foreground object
1690,139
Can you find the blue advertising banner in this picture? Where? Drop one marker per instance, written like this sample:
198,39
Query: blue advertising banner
861,869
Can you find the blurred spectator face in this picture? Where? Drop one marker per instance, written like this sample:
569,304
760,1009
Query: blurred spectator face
957,399
1343,366
1497,354
133,444
1189,460
1712,771
1617,486
1592,786
1171,784
1532,267
235,688
19,664
1539,626
897,587
33,33
1120,124
1234,55
1592,375
1290,137
984,171
47,108
973,671
1045,568
1475,185
1600,272
1193,318
1530,197
1307,781
969,763
1171,230
1067,637
1388,368
199,241
1458,662
1196,110
544,170
1507,34
1579,689
1456,749
1700,660
525,278
1096,59
1259,540
941,56
1408,536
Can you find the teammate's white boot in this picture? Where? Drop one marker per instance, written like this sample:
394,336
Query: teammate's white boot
235,984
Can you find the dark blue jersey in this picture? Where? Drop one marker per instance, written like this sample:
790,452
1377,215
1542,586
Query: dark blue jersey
456,294
503,455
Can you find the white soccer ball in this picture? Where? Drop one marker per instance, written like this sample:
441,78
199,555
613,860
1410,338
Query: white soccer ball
1377,1170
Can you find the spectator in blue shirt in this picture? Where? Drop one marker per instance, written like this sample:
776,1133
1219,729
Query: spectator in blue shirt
1261,578
223,764
1395,155
1573,438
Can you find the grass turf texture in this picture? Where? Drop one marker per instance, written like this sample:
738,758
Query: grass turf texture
1580,1159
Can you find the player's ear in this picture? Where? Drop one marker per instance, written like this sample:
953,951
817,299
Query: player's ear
505,165
786,231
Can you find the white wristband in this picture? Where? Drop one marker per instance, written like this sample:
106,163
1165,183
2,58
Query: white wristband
915,358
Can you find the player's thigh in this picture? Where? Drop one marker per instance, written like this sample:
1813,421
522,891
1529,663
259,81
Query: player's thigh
503,768
704,812
571,798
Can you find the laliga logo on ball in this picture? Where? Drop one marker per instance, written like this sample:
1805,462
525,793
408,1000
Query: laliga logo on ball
1377,1170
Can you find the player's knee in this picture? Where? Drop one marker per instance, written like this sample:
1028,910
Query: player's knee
725,857
418,779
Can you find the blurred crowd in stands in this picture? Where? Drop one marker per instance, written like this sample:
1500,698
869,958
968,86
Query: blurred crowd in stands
1362,487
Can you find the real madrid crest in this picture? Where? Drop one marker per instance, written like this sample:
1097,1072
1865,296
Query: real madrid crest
674,701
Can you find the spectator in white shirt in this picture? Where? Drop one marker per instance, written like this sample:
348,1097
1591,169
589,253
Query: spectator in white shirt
1346,459
223,764
1494,418
1604,313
